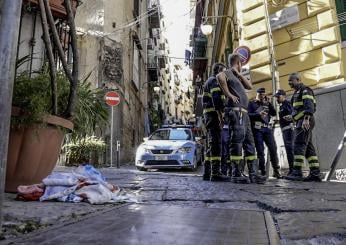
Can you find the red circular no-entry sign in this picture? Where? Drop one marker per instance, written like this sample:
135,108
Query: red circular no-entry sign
244,53
112,98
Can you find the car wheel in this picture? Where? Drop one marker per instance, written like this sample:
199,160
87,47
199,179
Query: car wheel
142,169
195,164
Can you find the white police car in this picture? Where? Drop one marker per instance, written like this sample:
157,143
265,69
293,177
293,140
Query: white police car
169,147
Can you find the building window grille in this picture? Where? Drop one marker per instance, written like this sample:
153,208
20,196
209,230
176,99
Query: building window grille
341,9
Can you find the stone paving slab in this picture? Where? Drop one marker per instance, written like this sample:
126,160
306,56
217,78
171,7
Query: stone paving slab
304,213
160,224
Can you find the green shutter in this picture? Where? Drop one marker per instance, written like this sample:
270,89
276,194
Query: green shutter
228,51
340,9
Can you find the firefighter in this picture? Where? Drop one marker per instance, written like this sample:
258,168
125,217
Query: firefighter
286,125
304,107
233,85
260,112
212,110
225,161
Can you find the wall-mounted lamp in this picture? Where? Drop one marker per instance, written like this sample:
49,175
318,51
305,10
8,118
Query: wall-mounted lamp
206,28
157,89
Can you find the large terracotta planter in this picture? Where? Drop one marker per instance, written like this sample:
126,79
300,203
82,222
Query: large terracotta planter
33,152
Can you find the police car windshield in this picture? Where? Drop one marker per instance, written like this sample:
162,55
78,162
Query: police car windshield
171,134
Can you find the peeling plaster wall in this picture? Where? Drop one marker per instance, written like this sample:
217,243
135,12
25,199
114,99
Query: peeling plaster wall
106,48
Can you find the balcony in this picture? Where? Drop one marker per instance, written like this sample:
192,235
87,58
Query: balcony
154,16
57,7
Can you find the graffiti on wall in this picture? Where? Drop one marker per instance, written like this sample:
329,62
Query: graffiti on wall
112,64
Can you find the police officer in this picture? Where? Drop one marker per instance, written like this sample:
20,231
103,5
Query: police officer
260,112
233,85
212,109
304,107
286,125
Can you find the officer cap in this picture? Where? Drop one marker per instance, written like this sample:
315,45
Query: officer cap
261,91
294,75
280,92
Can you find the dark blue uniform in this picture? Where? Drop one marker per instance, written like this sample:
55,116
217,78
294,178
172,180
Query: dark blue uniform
304,103
212,103
263,133
286,125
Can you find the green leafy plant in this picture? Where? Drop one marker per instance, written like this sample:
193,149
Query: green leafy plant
33,96
84,150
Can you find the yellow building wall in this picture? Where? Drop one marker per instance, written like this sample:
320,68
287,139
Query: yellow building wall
311,46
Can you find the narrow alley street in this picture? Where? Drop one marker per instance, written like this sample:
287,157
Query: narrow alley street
177,207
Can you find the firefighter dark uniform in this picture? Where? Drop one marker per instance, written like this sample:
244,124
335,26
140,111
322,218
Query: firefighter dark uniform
287,128
304,106
240,133
225,138
263,133
212,107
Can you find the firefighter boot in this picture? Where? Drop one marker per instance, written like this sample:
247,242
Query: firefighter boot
254,178
242,168
314,175
207,170
276,173
237,176
216,174
296,175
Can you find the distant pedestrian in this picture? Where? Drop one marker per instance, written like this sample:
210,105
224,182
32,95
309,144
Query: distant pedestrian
286,125
233,85
304,107
213,106
260,111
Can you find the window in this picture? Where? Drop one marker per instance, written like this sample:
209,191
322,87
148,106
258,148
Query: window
341,9
135,71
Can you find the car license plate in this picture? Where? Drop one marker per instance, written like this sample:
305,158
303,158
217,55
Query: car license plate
161,158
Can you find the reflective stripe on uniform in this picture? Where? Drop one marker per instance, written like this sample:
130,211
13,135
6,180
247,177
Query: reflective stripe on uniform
251,158
215,90
313,161
299,103
299,157
215,158
298,164
207,158
208,110
308,97
314,165
299,115
207,94
236,158
312,158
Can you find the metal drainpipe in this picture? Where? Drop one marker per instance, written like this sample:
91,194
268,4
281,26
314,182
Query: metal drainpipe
275,82
217,33
9,31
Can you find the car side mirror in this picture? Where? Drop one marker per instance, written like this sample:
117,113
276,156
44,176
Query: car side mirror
146,139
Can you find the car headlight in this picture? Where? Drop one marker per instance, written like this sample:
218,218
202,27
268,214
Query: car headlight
185,149
146,150
142,150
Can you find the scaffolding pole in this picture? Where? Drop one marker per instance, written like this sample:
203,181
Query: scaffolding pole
10,12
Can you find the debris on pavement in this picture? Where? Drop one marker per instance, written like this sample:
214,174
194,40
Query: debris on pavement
85,183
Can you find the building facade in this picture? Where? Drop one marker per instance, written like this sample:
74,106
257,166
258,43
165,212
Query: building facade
306,37
122,44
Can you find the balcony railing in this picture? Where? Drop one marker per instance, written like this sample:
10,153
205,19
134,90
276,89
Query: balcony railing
57,6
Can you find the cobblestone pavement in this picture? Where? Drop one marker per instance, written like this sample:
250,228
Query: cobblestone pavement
304,213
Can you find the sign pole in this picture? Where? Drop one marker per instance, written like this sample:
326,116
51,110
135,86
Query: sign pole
112,109
112,99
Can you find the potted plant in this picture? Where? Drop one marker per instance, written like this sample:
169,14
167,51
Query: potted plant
84,150
48,104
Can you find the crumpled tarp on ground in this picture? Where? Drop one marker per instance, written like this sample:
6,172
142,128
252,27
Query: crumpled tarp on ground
82,184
